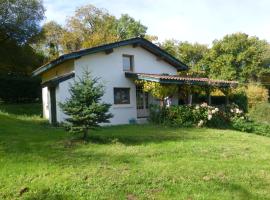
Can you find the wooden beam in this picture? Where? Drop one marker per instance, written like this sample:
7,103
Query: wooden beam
160,58
135,45
108,51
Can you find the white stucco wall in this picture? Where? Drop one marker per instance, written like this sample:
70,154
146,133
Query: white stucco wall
62,94
46,102
110,69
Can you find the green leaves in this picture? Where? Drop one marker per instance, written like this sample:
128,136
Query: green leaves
19,19
237,57
190,54
234,57
90,26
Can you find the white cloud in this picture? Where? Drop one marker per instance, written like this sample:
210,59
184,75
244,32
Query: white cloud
194,20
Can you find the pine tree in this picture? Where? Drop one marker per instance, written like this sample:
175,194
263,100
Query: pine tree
84,108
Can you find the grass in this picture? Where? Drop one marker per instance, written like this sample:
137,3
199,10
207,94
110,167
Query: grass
130,162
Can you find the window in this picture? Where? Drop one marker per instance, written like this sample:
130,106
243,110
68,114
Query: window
121,95
128,62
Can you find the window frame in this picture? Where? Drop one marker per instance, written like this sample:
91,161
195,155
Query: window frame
114,95
131,59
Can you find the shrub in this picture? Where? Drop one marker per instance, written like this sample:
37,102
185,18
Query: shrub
19,89
250,126
180,116
242,124
157,114
260,113
230,116
239,97
256,94
186,116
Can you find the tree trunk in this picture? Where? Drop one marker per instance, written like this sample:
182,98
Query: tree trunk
85,134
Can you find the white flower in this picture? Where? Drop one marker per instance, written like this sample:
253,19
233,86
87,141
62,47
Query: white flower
197,107
216,109
204,105
213,111
200,124
237,110
232,110
210,117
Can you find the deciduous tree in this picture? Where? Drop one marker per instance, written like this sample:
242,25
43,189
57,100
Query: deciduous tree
237,57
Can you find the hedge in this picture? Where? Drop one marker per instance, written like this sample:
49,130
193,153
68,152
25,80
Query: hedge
19,89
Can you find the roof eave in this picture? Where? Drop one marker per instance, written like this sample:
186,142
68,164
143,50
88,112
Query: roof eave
143,42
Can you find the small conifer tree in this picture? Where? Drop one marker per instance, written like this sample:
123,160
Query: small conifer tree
84,108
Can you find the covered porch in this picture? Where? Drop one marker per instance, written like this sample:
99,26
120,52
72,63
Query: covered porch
188,89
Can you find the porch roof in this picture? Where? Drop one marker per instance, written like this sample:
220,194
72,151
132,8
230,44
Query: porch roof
175,79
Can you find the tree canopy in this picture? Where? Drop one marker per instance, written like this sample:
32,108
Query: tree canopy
19,24
235,57
89,26
191,54
19,19
238,57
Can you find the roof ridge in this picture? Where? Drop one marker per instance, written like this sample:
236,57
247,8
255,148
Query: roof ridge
149,46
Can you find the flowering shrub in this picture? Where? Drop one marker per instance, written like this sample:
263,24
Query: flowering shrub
199,115
204,115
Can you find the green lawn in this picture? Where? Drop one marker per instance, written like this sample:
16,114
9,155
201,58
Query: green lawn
130,162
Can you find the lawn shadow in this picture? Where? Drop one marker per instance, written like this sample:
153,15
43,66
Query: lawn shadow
141,134
239,192
47,195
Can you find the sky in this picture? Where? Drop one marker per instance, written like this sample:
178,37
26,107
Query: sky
184,20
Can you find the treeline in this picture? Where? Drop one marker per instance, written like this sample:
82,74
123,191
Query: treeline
26,45
236,56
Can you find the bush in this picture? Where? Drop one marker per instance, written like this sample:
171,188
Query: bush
260,113
242,124
157,114
186,116
230,116
240,99
256,94
180,116
251,127
19,89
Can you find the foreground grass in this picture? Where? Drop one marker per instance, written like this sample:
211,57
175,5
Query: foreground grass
131,162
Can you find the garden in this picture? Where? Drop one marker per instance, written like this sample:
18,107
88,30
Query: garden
246,108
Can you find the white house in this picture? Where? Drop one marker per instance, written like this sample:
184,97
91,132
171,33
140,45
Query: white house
117,65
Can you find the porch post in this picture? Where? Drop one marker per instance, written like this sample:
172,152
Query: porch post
208,92
209,99
226,92
227,97
190,99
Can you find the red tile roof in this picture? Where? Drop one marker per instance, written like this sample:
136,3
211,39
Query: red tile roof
185,79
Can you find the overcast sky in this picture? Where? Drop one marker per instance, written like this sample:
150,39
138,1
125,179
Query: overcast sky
185,20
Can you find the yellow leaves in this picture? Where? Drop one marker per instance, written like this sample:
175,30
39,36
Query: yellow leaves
158,90
256,94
